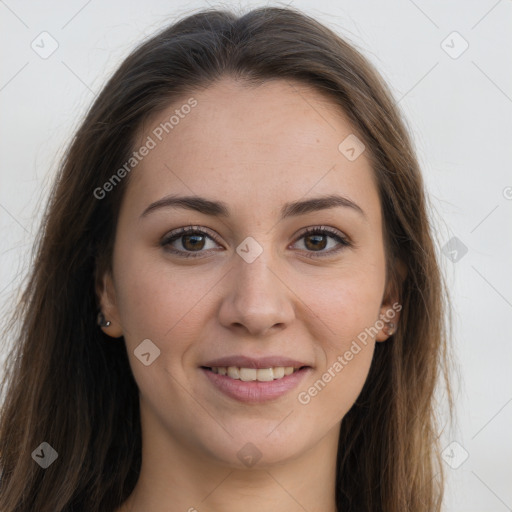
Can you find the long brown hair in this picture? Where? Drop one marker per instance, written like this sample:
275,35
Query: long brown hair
67,384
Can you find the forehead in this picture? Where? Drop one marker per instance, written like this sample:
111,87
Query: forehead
252,145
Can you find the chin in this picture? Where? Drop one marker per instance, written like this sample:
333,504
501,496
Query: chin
256,449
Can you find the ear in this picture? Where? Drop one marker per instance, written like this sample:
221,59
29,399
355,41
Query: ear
389,313
106,293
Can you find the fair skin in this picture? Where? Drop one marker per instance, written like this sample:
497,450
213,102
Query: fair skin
254,149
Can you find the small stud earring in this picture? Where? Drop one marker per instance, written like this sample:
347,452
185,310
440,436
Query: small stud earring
102,322
390,328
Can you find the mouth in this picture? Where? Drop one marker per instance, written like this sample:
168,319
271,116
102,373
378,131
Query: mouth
253,385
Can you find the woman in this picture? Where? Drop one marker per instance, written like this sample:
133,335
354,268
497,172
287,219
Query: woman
236,301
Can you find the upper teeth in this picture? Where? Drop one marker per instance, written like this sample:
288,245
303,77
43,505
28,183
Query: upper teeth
260,374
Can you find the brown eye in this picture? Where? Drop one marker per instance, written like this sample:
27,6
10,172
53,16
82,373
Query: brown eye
316,240
189,242
192,242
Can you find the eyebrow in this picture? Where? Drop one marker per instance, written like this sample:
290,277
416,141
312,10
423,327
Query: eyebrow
220,209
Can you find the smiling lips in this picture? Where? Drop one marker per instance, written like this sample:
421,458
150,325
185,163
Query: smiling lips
254,379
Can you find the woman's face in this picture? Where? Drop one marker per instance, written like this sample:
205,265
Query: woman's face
255,291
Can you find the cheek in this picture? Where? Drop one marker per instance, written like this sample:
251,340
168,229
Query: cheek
346,311
345,345
346,302
155,301
165,307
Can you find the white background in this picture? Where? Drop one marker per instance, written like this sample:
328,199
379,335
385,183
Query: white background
459,111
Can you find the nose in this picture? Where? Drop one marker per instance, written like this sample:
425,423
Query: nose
257,299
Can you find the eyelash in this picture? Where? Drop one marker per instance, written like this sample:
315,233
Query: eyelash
318,230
